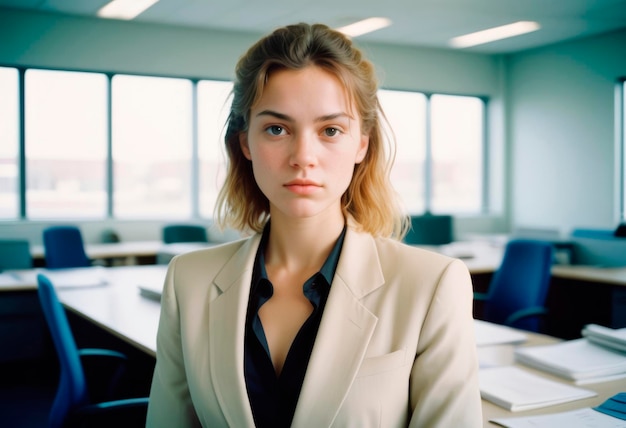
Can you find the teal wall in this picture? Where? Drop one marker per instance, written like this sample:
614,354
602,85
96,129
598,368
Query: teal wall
564,161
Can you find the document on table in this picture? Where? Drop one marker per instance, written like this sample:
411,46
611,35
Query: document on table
580,418
77,277
493,334
516,389
8,280
578,360
604,336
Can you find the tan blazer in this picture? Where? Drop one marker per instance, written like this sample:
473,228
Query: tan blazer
395,346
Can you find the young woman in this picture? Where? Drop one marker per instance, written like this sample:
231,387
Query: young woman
321,317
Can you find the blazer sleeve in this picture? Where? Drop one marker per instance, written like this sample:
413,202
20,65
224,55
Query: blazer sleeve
170,401
444,377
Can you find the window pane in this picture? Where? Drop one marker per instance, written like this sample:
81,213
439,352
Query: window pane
152,142
213,109
9,141
66,138
406,112
457,151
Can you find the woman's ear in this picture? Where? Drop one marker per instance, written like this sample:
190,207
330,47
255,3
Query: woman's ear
363,146
243,143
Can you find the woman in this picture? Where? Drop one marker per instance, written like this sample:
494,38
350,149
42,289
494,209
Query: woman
320,318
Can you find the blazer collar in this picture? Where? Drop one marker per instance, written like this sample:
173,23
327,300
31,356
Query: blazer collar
227,318
344,334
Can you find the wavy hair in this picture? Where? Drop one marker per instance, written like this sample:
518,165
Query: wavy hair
370,199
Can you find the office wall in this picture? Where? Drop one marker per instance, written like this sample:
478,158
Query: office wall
46,40
564,166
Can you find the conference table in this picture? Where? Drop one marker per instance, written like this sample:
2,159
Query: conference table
110,298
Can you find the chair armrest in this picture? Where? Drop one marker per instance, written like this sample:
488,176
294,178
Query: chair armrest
129,413
101,353
535,311
481,296
103,369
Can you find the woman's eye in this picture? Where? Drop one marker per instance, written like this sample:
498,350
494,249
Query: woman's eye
331,132
275,130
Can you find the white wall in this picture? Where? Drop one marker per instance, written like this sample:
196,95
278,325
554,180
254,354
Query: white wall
561,108
46,40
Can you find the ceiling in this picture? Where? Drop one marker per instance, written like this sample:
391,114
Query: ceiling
427,23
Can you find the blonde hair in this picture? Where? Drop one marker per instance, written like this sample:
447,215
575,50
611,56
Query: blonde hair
370,199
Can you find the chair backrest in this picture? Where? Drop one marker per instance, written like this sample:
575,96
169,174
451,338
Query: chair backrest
15,254
521,281
72,388
174,233
64,247
430,229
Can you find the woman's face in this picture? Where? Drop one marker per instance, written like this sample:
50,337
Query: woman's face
303,141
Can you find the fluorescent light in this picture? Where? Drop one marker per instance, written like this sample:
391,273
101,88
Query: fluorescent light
124,9
496,33
365,26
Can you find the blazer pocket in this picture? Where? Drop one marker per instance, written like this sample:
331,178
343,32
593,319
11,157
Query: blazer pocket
382,363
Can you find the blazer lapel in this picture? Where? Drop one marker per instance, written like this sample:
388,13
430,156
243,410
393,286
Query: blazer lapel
344,334
227,317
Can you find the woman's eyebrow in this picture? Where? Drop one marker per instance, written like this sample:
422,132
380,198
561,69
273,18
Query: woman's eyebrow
288,118
275,114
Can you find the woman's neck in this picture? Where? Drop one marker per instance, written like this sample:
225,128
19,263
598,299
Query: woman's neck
301,245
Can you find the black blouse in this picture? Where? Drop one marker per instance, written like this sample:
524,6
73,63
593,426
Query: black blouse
273,398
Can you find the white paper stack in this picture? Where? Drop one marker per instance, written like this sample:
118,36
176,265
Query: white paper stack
494,334
516,389
577,360
607,337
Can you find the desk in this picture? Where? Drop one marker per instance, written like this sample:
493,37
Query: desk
118,308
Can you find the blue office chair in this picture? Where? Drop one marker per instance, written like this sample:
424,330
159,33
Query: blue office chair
430,229
75,403
64,248
519,287
15,254
174,233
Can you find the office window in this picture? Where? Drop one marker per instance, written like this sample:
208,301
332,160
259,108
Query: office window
439,162
406,113
213,108
9,143
152,147
457,153
66,144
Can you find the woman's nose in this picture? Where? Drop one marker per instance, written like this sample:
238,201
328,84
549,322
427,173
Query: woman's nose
303,151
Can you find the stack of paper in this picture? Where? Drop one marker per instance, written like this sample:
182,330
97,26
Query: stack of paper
494,334
578,360
610,414
516,389
604,336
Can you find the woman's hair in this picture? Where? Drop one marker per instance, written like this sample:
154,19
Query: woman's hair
370,198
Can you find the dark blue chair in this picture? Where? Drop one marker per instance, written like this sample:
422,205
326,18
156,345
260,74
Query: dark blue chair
64,248
519,287
75,403
175,233
15,254
430,229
